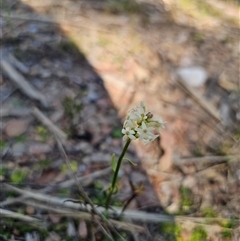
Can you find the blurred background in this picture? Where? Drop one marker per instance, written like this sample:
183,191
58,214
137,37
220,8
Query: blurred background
76,67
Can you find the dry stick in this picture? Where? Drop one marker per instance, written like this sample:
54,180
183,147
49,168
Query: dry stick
7,213
22,83
51,200
49,124
205,159
83,215
128,214
18,64
201,101
83,193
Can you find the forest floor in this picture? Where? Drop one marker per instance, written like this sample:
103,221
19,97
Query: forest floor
70,71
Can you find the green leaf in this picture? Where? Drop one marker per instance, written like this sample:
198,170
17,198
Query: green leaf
18,176
127,159
114,162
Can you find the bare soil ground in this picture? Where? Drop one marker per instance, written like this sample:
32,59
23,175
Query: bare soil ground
70,71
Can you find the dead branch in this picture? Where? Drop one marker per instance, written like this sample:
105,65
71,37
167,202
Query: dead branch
49,124
201,101
22,83
10,214
83,215
204,159
133,215
18,64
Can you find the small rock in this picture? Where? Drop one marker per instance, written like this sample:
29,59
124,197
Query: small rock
193,76
39,148
18,149
16,127
30,210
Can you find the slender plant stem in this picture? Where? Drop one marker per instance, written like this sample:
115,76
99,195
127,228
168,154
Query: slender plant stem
116,173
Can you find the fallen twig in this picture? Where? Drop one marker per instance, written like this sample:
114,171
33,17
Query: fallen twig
128,214
19,65
201,101
204,159
10,214
22,83
49,124
83,215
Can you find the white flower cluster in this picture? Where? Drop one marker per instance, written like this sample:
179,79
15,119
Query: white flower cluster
140,124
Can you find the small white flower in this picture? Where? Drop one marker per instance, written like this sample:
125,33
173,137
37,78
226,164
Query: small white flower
128,134
129,123
140,124
145,132
156,122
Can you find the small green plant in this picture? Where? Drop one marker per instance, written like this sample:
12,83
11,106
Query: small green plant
42,132
73,166
228,223
186,195
198,234
18,176
171,228
226,233
209,213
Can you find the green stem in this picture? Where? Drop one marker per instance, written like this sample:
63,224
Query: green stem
116,173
